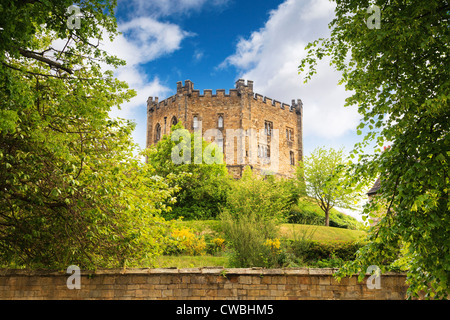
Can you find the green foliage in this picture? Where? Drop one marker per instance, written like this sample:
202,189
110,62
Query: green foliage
340,249
322,254
326,181
202,186
265,196
331,262
71,189
254,209
400,83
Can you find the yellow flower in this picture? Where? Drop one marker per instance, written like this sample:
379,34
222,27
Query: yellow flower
274,244
188,242
219,242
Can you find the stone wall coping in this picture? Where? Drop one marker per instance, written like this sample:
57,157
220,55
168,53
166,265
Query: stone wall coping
201,270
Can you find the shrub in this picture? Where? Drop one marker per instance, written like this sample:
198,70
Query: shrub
324,250
247,236
254,209
322,254
331,262
219,243
215,246
184,241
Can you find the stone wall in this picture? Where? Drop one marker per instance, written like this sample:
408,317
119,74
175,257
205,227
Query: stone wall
198,284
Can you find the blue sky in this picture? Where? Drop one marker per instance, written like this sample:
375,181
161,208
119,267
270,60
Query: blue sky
215,42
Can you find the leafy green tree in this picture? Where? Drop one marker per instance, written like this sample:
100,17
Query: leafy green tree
326,180
203,178
399,77
71,190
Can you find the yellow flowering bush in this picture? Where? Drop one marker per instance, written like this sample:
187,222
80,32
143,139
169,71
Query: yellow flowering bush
188,242
219,243
273,245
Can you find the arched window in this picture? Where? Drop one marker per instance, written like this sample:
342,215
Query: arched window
268,127
220,122
157,133
174,121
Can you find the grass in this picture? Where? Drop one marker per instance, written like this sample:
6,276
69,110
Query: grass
320,233
183,261
287,230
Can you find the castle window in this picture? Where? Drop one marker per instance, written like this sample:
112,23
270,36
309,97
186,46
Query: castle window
195,123
157,133
263,151
268,127
289,134
292,158
174,121
220,122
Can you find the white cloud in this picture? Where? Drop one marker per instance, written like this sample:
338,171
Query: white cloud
158,8
271,56
143,39
198,55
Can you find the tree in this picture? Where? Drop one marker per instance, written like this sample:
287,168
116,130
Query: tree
71,190
203,178
325,179
399,78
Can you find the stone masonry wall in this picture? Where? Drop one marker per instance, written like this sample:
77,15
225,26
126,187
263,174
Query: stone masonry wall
198,284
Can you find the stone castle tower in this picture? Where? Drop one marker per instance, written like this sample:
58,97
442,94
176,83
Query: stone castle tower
249,128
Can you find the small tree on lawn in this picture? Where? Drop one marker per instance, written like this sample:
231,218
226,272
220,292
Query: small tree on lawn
324,175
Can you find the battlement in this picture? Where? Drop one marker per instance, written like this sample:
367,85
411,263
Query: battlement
241,89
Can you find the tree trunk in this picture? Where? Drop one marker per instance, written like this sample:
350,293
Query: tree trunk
327,218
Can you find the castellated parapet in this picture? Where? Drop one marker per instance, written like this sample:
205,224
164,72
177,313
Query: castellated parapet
250,128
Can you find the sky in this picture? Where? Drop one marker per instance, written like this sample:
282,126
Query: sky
213,43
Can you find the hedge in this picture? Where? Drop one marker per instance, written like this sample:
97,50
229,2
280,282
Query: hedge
312,250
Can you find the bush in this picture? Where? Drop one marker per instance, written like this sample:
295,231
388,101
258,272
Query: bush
254,209
247,236
318,250
184,241
331,262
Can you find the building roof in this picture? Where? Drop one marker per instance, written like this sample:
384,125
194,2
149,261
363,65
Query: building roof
375,188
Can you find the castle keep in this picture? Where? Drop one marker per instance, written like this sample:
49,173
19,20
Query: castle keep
249,128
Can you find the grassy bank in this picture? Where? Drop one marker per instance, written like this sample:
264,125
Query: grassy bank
287,231
319,233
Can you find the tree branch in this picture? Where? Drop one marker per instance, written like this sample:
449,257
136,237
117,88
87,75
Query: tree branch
51,63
